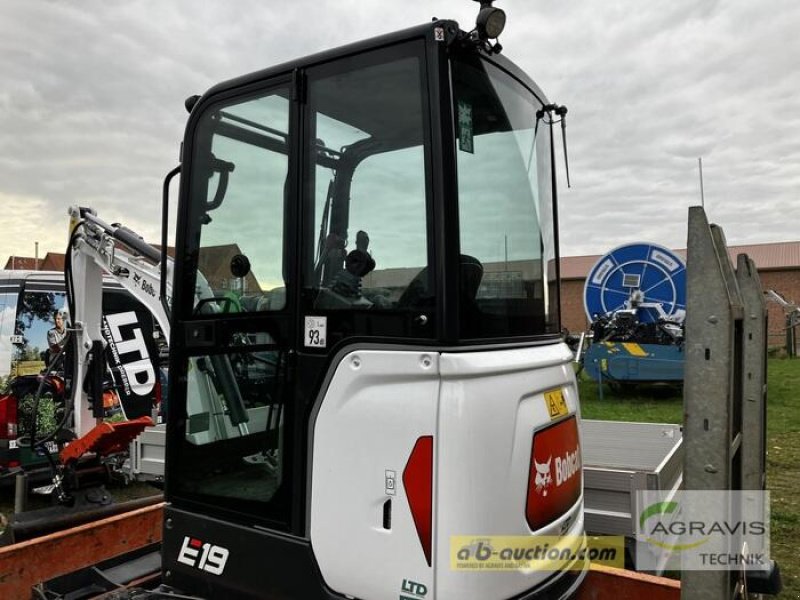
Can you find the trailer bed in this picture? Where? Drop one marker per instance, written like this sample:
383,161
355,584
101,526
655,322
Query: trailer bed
620,458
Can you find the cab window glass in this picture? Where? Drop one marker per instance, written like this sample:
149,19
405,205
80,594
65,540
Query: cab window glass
369,206
238,196
232,450
8,309
507,279
37,335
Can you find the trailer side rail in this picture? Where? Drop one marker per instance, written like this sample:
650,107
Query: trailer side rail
28,563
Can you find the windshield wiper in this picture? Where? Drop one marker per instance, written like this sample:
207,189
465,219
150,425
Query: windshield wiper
561,112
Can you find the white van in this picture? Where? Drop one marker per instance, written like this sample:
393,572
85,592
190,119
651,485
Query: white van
28,302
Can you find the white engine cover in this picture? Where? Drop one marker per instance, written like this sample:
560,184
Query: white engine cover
482,409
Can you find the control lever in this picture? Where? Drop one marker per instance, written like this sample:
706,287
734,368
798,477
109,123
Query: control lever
225,378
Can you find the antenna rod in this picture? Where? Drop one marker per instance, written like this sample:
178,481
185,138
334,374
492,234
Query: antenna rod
702,194
562,110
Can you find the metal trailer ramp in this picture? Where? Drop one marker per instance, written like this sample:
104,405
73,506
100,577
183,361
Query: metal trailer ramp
724,400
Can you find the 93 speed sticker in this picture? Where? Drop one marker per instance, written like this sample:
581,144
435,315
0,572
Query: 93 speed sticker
316,332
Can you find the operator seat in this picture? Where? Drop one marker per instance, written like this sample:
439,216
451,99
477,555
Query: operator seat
419,292
471,275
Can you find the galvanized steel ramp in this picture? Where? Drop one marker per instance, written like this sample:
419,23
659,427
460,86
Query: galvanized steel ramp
724,388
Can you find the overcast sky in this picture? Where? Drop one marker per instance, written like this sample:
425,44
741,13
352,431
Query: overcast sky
91,104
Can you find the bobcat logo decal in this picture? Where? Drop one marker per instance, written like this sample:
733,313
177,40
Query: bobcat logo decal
543,478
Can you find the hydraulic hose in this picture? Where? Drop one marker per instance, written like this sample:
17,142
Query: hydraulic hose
40,443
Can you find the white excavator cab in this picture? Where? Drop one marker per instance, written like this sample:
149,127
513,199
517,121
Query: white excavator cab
366,359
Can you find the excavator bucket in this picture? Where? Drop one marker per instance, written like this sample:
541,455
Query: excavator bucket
106,438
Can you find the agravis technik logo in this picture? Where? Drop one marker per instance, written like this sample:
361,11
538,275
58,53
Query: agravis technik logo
652,519
702,529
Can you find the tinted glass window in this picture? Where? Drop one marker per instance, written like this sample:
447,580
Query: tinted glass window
232,452
239,186
507,272
8,310
369,205
38,338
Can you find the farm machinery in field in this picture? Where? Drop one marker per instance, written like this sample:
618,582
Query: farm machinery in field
635,299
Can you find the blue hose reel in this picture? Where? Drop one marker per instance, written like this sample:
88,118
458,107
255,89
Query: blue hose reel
635,299
658,273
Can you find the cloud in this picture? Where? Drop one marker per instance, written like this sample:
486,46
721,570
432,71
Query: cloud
652,87
91,107
27,220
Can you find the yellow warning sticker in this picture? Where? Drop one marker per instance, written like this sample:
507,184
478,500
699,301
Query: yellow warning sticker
556,405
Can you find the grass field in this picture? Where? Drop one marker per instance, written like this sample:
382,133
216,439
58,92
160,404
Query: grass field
665,405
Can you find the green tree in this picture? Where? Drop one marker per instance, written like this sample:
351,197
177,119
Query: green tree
30,353
35,305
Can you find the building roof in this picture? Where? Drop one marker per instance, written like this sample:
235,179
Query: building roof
767,257
21,263
52,261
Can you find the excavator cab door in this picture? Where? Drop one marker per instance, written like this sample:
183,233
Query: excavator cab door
229,450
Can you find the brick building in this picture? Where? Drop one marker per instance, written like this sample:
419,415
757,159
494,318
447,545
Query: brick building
52,261
778,267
